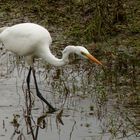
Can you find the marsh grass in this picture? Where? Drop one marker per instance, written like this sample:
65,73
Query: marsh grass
113,89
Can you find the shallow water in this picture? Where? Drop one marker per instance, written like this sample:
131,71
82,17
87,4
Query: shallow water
92,108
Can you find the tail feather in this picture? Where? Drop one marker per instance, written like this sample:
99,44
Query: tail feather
2,29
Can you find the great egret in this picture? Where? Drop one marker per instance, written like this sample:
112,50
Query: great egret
32,40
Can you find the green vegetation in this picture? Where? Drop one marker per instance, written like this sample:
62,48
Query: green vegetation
114,25
84,20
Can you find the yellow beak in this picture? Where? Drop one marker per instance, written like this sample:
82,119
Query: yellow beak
92,58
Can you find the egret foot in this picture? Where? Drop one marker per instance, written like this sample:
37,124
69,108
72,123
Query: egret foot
52,110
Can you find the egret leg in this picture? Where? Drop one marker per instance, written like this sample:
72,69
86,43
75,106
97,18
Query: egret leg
28,79
51,108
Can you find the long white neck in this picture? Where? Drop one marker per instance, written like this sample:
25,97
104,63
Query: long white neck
51,59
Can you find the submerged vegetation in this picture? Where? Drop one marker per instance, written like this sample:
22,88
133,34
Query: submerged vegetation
114,26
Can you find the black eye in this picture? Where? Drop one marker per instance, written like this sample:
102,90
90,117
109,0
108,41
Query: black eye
83,53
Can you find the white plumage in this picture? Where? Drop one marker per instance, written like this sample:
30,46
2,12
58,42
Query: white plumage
32,40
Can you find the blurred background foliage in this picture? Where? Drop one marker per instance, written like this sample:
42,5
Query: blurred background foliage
85,20
113,25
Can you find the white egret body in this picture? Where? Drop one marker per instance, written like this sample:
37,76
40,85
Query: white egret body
32,40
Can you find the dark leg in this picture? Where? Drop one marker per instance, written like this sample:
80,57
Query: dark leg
28,96
28,79
51,108
29,103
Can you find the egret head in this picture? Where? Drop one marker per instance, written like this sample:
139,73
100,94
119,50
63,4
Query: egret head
83,52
